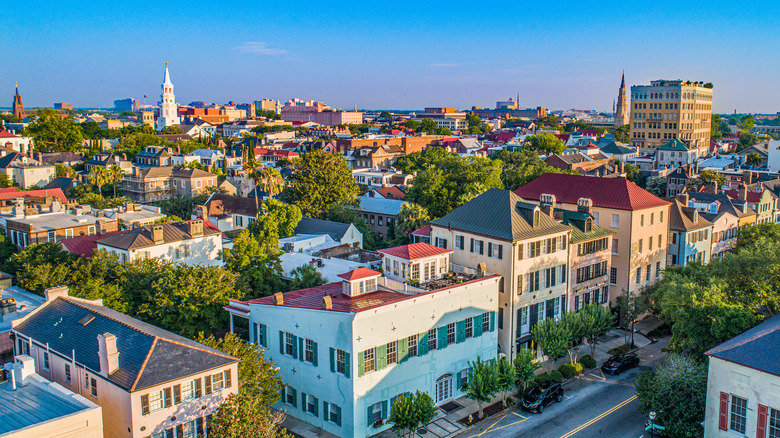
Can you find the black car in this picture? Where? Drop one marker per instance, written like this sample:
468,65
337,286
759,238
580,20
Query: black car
620,362
542,395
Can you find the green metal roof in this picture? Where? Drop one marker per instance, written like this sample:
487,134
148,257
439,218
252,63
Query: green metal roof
674,145
576,220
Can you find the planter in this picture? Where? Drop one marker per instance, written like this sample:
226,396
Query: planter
488,412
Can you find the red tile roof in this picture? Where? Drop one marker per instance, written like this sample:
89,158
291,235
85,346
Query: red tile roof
357,274
391,192
415,251
12,193
85,246
6,134
425,230
617,193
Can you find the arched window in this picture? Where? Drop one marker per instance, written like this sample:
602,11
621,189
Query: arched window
444,388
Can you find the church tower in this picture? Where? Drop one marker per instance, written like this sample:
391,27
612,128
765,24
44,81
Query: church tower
621,110
169,114
18,107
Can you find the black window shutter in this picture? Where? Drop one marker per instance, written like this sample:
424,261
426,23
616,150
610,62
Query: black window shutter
180,430
169,433
208,385
145,404
533,317
471,243
500,252
167,397
549,308
176,394
490,249
199,427
198,389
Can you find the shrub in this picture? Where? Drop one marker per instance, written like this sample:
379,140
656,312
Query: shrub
588,362
541,378
619,350
578,368
567,371
556,375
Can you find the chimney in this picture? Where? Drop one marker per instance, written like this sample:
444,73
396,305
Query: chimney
279,299
135,171
54,292
622,168
695,169
100,226
683,198
585,205
178,150
201,212
195,227
157,233
547,204
747,177
108,354
327,302
233,154
124,157
742,192
23,368
7,307
208,168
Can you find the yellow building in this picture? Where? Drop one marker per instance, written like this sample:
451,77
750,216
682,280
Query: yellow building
665,110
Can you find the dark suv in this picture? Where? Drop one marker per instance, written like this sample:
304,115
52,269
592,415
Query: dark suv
542,395
620,362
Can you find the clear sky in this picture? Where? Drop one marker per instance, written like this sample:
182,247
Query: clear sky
388,55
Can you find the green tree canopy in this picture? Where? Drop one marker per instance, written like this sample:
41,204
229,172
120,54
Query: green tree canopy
525,367
411,217
306,276
521,167
544,143
242,415
385,115
318,180
553,338
407,413
506,375
53,133
482,383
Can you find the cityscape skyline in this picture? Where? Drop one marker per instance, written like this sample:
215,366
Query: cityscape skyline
432,57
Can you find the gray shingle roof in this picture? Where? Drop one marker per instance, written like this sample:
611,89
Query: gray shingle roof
336,230
148,355
142,237
501,214
756,348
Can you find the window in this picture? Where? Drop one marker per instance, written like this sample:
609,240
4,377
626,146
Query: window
615,221
658,269
91,230
651,218
614,246
638,275
641,220
309,403
380,222
659,241
469,327
392,357
432,340
156,400
661,217
46,360
93,387
674,238
69,233
341,362
411,342
217,382
500,318
485,322
647,274
52,236
557,305
773,423
650,243
738,414
182,251
495,250
640,245
451,333
309,352
459,242
533,281
477,246
520,251
540,311
289,344
368,360
289,395
260,334
439,242
67,373
592,246
333,413
613,276
376,413
415,272
187,390
198,183
523,316
534,249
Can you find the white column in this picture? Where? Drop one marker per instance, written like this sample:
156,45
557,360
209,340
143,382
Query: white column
231,323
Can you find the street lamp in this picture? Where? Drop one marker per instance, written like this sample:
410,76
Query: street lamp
652,422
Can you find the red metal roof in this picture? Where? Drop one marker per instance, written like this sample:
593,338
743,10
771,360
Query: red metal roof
12,193
425,230
393,190
357,274
617,193
414,251
754,197
6,134
85,245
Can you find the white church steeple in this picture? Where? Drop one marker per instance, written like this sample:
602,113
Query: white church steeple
168,108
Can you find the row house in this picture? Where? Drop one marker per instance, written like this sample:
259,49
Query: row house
154,156
106,160
502,233
760,200
677,180
690,234
726,218
150,383
638,218
347,349
160,183
29,226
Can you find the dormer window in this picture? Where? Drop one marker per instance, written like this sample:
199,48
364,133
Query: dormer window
588,225
536,217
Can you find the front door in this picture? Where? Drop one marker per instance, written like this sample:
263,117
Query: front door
443,388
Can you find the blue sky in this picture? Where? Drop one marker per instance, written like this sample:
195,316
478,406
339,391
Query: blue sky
403,55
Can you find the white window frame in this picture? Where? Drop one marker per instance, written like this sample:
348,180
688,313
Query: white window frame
218,377
156,401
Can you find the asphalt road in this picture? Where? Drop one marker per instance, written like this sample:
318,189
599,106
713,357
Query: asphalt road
594,406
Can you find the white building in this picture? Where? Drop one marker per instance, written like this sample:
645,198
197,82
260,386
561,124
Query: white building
169,111
416,262
743,384
773,156
228,212
347,349
25,172
308,243
187,242
342,233
23,145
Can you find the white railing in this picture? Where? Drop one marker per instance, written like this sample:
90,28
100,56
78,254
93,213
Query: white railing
398,286
460,269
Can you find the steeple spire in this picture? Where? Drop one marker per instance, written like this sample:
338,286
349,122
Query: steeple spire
167,79
16,85
623,80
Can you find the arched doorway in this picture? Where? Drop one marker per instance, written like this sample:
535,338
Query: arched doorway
443,389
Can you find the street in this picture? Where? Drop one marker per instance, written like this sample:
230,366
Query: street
594,406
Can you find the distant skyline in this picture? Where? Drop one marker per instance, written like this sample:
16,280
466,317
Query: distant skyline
388,56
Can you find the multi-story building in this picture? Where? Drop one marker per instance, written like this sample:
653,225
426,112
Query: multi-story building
743,384
159,183
675,153
269,105
319,113
690,234
18,107
343,234
106,160
346,350
23,145
724,216
665,110
380,213
122,105
149,382
229,213
375,157
758,199
25,172
416,262
638,218
154,156
677,180
63,106
590,254
502,233
29,225
378,178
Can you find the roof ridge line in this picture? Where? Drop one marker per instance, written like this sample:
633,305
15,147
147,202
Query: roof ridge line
217,353
749,339
143,365
113,319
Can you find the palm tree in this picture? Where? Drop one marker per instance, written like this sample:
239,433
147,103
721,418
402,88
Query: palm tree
753,159
271,180
98,176
115,175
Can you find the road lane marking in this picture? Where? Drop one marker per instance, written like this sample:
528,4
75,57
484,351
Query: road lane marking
620,405
524,418
489,427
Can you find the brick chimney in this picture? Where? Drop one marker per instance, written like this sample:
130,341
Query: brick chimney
108,354
327,302
195,227
742,192
201,211
100,226
54,292
547,204
585,205
747,177
157,233
279,299
683,198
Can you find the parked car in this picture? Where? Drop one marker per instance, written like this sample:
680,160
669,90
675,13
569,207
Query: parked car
619,363
542,395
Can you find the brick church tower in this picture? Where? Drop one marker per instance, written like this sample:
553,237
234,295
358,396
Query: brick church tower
621,110
18,107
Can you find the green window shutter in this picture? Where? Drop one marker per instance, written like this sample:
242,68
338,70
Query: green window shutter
301,356
325,410
384,409
422,344
315,361
145,404
361,363
281,342
403,349
282,398
316,407
381,357
263,335
478,325
338,415
254,335
492,321
460,331
458,381
347,364
369,414
392,400
442,344
332,360
295,397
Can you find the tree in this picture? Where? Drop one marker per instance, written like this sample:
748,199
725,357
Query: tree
306,276
707,177
506,376
747,123
525,367
677,392
411,124
753,159
544,143
195,164
53,133
657,186
715,132
114,175
631,307
257,375
521,167
241,415
5,182
407,413
482,384
411,217
633,174
596,320
385,115
271,180
622,133
98,176
428,126
572,321
318,180
64,170
171,130
345,213
553,339
746,139
257,263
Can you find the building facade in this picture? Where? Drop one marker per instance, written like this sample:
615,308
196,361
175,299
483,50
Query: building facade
621,108
160,183
18,107
29,227
169,114
690,234
590,252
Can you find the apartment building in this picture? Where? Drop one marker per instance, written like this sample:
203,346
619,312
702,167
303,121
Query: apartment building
30,226
347,349
639,219
500,232
149,382
160,183
690,234
665,110
743,384
154,156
